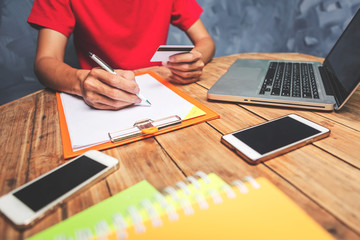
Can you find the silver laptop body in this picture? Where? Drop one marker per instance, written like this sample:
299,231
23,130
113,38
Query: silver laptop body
336,79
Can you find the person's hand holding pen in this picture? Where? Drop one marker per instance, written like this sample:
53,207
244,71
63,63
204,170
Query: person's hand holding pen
110,89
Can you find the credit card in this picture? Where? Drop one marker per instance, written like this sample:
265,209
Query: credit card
165,51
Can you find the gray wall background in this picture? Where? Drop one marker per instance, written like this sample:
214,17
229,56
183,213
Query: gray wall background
305,26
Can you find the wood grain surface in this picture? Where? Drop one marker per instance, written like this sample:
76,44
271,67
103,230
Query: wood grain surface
322,178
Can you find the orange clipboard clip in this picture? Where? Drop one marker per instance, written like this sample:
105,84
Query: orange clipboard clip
144,127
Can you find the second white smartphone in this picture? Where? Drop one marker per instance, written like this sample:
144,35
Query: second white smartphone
272,138
33,200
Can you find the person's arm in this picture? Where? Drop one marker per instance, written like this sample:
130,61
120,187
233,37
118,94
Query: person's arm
187,68
99,89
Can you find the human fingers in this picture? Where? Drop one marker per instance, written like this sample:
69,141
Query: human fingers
98,94
102,102
126,74
124,80
186,67
185,76
186,72
174,78
192,56
186,62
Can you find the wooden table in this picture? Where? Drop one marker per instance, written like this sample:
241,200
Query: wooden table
323,178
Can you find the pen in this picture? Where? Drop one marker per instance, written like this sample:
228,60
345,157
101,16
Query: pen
110,70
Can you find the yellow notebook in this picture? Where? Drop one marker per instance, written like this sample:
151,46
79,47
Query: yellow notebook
262,212
205,207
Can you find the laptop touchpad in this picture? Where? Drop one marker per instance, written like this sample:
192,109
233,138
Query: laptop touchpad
245,77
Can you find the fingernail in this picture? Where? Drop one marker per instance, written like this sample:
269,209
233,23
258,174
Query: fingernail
136,90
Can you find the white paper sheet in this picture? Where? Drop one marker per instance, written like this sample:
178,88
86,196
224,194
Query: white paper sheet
88,126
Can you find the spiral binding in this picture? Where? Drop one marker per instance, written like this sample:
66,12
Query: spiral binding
166,202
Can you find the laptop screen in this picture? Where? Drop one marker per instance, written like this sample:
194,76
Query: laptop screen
343,61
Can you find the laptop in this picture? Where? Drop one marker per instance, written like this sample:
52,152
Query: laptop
300,84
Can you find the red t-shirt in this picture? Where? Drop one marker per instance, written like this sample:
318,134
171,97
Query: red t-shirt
124,33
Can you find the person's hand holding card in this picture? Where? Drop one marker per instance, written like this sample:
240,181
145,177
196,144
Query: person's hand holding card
184,62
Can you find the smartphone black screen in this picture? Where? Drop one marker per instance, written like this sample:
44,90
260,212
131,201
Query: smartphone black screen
42,192
276,134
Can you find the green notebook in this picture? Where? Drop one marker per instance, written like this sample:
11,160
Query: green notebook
100,217
101,211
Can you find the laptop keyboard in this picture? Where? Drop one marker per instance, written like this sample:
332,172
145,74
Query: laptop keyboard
290,80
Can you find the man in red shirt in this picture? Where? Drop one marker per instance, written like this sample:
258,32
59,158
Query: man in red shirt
125,34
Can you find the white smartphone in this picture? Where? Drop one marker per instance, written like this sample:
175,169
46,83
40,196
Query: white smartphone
28,203
264,141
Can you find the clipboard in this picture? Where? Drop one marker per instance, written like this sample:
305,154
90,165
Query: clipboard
140,131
